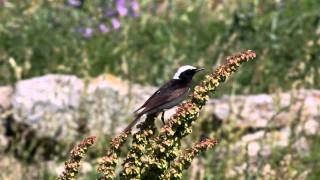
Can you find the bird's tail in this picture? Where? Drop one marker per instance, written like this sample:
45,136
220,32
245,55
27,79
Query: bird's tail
134,122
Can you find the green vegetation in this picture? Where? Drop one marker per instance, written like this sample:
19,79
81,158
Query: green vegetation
40,37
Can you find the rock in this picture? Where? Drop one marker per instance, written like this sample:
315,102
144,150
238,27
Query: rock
253,149
302,146
3,140
311,127
49,105
5,105
253,136
110,103
60,106
264,125
260,111
5,98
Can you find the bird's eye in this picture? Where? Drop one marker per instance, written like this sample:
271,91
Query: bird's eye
190,72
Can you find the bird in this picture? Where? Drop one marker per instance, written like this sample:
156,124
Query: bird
168,95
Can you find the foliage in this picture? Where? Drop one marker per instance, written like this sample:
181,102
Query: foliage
162,37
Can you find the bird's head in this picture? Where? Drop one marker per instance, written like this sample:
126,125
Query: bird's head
186,72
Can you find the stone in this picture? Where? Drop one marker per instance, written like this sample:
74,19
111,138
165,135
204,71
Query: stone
311,127
273,110
110,103
253,149
302,146
49,105
62,107
5,98
263,123
5,105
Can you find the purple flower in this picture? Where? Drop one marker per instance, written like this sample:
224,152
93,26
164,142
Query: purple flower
122,10
103,28
75,3
134,14
121,7
121,2
88,32
135,5
110,13
115,23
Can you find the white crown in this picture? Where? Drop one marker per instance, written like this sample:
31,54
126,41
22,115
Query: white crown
182,69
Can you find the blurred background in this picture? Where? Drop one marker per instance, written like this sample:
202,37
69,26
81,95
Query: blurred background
74,68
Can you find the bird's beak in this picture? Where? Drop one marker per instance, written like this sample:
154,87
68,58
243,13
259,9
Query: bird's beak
199,69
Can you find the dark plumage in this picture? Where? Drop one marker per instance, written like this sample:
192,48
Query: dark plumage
169,95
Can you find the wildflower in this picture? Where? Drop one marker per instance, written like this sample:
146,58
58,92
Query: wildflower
108,163
134,9
115,23
135,5
103,28
77,154
110,13
121,2
186,157
88,32
74,3
123,11
134,14
121,8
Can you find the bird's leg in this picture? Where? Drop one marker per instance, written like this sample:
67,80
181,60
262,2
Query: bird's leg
162,117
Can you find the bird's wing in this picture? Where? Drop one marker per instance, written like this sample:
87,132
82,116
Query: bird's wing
164,96
157,92
160,91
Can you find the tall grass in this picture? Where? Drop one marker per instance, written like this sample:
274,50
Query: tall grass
40,37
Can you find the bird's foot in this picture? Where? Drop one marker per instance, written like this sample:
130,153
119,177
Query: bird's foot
162,118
